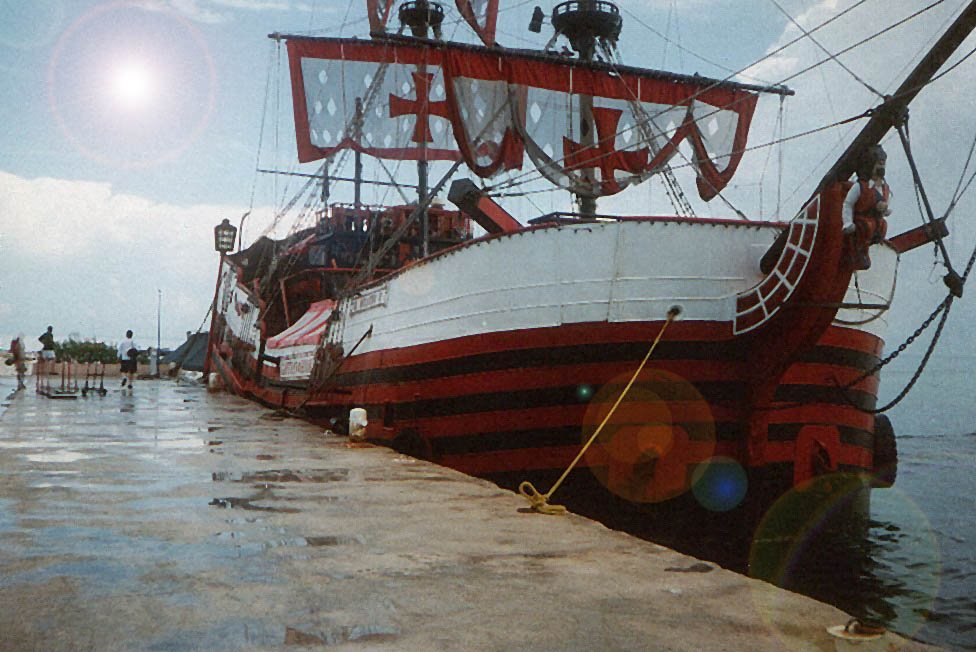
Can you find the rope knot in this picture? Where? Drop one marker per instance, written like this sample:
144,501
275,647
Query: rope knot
539,502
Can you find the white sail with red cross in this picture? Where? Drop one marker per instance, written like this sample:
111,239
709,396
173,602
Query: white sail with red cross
591,128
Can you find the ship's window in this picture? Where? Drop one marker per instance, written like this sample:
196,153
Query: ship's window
317,256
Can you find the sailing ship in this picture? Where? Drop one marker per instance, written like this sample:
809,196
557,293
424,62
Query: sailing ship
717,363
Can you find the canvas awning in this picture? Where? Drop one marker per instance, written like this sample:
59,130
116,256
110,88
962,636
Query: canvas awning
306,330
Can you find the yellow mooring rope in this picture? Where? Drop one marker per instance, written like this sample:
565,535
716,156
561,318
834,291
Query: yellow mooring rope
540,502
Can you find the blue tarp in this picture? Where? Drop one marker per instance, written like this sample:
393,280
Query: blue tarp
190,354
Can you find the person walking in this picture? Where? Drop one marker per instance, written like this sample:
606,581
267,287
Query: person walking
128,353
19,360
47,350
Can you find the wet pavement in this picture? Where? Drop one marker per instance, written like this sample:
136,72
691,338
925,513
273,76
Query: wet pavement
175,519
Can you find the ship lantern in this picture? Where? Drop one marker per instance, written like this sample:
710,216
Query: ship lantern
225,235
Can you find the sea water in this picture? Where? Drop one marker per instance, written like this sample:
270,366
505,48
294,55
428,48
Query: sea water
914,567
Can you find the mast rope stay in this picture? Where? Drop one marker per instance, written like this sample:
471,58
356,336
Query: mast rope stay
943,308
533,175
540,502
836,59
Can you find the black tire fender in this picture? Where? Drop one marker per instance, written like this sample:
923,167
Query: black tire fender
885,467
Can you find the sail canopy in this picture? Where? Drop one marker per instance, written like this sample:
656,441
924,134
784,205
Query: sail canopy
307,330
591,128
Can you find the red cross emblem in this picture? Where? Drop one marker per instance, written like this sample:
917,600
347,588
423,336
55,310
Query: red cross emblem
603,155
422,108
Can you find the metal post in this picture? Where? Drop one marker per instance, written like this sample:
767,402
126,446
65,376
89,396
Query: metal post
213,320
424,218
159,313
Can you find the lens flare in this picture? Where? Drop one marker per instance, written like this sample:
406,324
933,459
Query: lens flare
650,445
719,484
132,85
824,528
129,86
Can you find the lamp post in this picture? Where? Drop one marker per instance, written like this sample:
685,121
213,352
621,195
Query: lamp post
225,235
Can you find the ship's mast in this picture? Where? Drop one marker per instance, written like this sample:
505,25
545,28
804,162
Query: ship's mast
586,23
894,110
422,17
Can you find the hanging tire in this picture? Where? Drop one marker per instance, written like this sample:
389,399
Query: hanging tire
885,467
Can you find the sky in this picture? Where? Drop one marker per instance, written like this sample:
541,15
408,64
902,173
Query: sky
132,128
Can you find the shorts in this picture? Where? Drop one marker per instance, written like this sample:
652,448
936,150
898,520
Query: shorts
47,354
128,366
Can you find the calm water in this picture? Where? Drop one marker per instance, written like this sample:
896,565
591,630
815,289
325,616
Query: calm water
912,565
923,530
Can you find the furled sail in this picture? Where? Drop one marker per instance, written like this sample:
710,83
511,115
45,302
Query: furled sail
481,15
591,128
378,12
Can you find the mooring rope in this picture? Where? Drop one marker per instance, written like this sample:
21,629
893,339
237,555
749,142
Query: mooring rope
540,502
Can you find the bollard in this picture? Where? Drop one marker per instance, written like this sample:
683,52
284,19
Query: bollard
357,424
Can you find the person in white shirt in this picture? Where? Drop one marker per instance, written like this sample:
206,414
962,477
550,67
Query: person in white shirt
128,353
867,205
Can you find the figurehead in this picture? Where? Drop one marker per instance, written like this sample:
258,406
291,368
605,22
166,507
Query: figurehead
866,206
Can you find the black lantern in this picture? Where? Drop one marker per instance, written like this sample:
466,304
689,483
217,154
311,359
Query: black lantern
225,234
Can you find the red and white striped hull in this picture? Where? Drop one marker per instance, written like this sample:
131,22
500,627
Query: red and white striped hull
500,357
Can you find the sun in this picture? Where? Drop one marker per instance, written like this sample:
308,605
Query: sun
132,85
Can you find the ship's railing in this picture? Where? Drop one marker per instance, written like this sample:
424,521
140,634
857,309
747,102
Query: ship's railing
756,305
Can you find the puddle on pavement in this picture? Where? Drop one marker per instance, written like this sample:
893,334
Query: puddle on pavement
245,503
58,457
282,475
338,635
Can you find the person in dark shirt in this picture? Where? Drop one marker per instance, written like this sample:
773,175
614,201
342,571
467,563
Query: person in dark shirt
47,350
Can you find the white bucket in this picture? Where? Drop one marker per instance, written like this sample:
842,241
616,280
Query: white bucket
214,382
357,423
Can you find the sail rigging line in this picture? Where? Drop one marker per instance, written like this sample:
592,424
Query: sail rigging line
742,71
825,50
524,177
540,502
952,279
532,175
960,189
257,157
354,282
943,308
644,124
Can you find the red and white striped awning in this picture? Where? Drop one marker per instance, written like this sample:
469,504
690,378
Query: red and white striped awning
307,329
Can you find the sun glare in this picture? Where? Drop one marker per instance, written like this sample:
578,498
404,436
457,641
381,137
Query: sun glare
131,85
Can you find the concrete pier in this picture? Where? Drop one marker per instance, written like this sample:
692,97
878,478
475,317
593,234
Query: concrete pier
174,519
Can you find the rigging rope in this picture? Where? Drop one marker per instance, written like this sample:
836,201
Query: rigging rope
540,502
825,50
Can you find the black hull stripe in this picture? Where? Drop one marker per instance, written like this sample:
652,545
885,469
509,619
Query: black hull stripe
809,394
713,393
784,432
545,358
840,357
542,438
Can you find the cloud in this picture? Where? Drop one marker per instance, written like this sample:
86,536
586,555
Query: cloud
220,11
85,258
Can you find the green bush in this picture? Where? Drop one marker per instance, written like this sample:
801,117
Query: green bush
85,351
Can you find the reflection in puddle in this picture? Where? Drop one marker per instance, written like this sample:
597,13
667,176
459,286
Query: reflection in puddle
245,503
283,475
59,457
341,634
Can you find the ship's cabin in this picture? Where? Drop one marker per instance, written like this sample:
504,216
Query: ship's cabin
316,263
